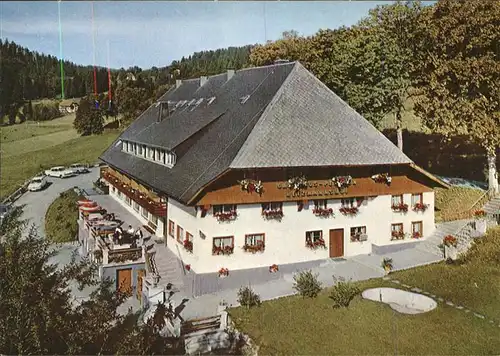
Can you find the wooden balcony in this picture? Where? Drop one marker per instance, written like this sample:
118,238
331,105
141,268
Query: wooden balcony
154,207
130,254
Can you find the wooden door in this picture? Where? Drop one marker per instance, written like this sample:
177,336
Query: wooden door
140,276
124,280
336,243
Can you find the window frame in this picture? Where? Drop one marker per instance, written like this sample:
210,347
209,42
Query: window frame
250,236
313,238
144,213
417,223
136,206
153,219
321,204
273,206
420,196
401,200
180,233
223,208
397,224
171,228
348,202
128,201
189,236
222,238
354,234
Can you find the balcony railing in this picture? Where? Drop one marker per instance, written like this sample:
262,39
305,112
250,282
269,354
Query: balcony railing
130,254
155,208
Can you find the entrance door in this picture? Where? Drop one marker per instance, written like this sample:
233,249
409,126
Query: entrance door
124,280
140,276
336,243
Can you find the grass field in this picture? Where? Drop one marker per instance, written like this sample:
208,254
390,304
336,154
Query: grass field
29,148
294,325
450,202
61,219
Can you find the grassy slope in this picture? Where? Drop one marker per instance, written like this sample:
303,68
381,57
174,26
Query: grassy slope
293,326
16,169
454,200
30,129
61,218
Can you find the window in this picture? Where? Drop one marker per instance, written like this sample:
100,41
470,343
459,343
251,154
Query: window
144,213
162,156
151,153
135,148
139,150
128,200
180,233
397,232
416,199
254,240
136,206
224,209
397,200
120,194
272,206
348,203
211,100
320,204
356,233
113,189
397,227
171,228
124,146
417,229
314,236
153,220
144,151
189,237
224,242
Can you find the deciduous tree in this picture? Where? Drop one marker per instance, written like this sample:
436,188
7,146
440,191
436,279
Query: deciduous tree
88,119
459,81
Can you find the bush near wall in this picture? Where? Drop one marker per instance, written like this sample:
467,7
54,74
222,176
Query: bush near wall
61,218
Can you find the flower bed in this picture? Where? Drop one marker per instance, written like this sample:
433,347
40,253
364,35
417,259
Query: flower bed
316,244
273,214
349,210
400,207
323,212
227,250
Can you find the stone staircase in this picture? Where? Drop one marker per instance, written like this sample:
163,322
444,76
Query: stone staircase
492,208
167,266
455,228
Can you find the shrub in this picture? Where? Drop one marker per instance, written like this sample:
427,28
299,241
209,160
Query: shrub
248,298
342,293
307,284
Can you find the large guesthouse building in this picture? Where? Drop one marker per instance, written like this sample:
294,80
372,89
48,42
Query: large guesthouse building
266,166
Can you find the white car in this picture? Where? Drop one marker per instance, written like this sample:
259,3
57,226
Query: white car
37,183
59,172
78,168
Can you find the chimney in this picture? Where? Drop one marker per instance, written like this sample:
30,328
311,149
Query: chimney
230,73
203,80
178,83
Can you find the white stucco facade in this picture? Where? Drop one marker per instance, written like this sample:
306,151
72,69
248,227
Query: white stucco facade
285,239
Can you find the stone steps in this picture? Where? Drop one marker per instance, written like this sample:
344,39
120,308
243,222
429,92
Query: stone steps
493,206
168,266
448,228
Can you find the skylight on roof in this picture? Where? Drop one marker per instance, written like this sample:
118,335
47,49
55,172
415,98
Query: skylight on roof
244,99
197,103
211,100
191,102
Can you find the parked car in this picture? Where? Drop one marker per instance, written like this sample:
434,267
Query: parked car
37,183
78,168
59,172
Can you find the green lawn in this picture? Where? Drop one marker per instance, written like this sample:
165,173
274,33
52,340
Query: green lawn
61,218
16,169
30,129
293,325
453,201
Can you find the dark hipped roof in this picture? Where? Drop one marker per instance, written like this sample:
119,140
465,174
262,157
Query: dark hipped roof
290,119
222,127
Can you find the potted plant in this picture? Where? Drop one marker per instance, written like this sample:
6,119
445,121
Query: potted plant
450,244
387,265
223,272
273,268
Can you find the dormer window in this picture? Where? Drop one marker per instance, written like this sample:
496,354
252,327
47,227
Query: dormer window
211,100
244,99
191,102
197,103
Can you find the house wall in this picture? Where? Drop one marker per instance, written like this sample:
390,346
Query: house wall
114,194
285,239
112,271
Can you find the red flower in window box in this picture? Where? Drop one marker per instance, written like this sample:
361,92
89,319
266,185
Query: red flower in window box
323,212
188,245
254,248
226,216
480,214
417,235
273,214
349,210
227,250
400,207
223,272
315,244
273,268
450,240
398,235
382,178
420,207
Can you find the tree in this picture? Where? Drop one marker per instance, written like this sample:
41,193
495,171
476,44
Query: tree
459,79
89,119
39,315
291,47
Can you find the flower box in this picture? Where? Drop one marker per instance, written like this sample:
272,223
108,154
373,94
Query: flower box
349,210
254,248
416,235
297,183
450,241
226,216
273,214
359,238
420,207
188,245
323,212
343,182
227,250
383,178
316,244
273,268
223,272
250,186
403,208
397,235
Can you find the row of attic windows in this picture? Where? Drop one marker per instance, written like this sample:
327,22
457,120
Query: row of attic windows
186,104
154,154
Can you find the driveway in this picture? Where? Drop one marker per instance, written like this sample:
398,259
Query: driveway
37,203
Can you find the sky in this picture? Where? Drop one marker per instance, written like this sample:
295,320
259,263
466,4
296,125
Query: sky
149,33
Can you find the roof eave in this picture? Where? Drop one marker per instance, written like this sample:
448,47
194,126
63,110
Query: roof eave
430,176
